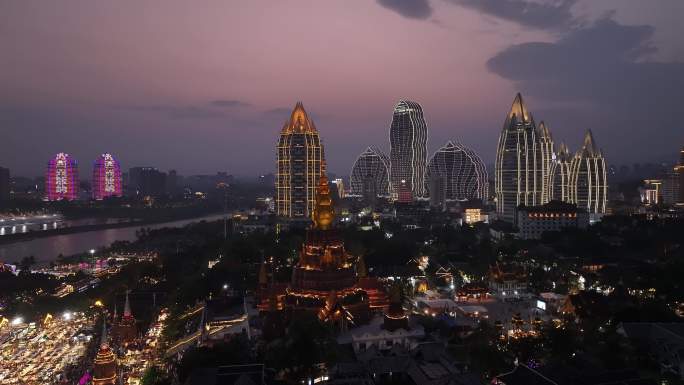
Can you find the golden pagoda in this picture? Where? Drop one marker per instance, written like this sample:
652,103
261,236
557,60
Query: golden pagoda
104,367
326,279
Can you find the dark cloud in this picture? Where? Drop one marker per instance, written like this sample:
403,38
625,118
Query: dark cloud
602,77
544,15
413,9
178,112
228,103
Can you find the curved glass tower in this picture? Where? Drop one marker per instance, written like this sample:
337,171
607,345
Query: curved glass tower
463,172
106,177
370,174
61,179
408,149
519,170
300,160
588,184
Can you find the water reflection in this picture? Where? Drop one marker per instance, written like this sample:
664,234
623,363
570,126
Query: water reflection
48,248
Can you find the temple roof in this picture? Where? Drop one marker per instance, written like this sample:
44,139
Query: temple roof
299,121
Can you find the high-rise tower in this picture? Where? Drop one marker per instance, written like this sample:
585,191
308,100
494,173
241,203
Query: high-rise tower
300,159
519,171
463,172
106,177
588,184
546,151
408,153
61,178
559,180
370,172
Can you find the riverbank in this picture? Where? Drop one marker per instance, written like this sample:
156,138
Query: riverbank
133,222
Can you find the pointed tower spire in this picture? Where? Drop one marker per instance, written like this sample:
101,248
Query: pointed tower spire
589,147
544,131
116,313
519,111
103,339
299,120
127,307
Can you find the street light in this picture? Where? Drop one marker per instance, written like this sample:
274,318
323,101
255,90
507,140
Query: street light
67,315
16,321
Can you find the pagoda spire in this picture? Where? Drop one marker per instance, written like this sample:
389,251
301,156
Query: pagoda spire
127,307
323,214
116,313
103,339
589,146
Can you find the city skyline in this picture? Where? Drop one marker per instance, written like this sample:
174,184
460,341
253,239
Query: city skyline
191,95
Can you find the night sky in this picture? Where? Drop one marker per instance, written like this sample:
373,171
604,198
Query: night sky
203,86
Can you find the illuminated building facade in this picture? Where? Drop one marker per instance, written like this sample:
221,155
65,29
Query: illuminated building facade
106,177
408,148
519,170
547,155
370,172
559,178
61,179
300,161
104,367
588,179
463,172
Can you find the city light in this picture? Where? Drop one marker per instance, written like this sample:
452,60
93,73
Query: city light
67,315
17,321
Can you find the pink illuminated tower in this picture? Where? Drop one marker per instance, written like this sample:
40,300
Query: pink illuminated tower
61,179
106,177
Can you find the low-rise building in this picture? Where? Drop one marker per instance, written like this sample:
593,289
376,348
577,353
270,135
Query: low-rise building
533,221
508,283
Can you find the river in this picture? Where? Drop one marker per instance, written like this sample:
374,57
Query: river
47,249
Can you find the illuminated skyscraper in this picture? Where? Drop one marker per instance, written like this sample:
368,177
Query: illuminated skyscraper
546,151
408,152
106,177
559,180
61,178
463,172
519,171
588,185
372,168
300,160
